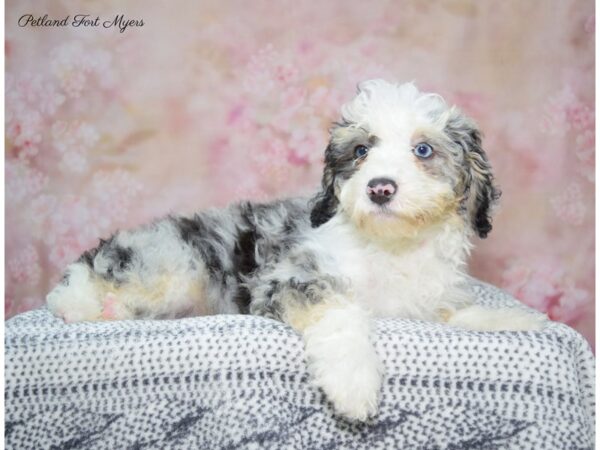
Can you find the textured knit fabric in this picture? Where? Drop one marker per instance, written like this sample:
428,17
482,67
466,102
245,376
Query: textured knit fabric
236,382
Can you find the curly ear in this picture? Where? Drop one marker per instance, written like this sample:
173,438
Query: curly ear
480,193
325,202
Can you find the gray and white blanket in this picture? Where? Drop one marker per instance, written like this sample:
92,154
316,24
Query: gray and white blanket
237,382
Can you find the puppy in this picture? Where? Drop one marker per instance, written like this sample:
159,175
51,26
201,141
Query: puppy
406,185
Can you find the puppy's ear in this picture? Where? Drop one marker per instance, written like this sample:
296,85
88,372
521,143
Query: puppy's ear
480,193
325,203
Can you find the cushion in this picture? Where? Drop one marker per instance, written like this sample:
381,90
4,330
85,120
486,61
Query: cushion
234,381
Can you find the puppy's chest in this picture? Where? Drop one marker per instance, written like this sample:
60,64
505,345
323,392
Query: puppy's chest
408,283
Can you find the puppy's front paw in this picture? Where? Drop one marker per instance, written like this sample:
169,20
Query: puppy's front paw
352,384
508,319
344,364
524,321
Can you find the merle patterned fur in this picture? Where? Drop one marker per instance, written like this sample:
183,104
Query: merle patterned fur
241,246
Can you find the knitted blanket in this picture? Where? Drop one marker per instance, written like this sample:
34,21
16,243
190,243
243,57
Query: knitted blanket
237,382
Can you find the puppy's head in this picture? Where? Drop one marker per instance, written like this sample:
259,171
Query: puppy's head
400,161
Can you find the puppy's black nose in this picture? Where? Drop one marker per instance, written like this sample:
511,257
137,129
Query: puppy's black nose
381,190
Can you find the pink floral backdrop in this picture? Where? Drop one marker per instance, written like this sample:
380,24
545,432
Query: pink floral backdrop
215,101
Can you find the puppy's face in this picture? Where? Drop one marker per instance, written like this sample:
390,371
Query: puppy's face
400,161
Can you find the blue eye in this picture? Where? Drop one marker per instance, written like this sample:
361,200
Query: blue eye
423,150
360,151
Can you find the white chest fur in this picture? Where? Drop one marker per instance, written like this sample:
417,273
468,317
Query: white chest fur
413,281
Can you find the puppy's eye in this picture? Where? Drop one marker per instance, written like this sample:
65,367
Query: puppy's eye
423,150
360,151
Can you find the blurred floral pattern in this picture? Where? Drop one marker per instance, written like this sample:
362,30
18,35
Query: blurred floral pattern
214,101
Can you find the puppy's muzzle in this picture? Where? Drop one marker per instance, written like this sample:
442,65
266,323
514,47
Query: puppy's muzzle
381,190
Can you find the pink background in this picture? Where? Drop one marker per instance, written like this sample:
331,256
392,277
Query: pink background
215,101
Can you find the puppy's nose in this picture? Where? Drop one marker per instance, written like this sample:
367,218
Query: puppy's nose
381,190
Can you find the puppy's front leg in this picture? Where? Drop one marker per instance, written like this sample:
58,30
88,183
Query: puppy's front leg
341,357
478,318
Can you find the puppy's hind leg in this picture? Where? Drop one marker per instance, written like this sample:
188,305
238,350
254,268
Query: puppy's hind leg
87,291
78,296
145,273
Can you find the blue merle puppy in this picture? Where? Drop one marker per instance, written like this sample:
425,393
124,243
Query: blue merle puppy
406,186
